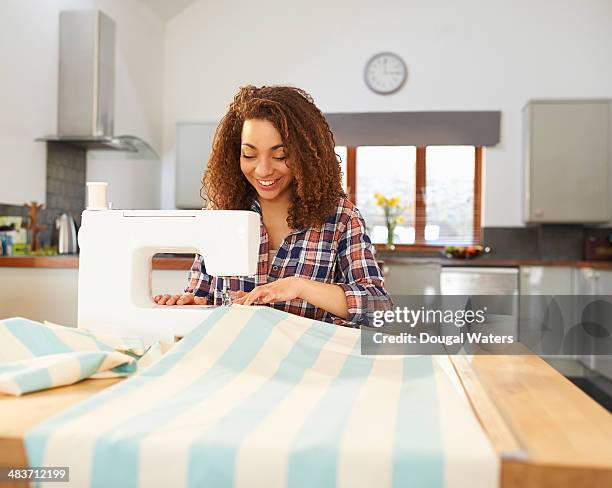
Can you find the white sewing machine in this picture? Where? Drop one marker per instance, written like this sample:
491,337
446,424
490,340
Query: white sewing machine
117,247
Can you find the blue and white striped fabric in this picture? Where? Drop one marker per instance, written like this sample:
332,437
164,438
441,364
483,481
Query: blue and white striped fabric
34,356
257,397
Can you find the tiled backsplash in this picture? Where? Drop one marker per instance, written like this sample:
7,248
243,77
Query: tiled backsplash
542,242
66,174
547,242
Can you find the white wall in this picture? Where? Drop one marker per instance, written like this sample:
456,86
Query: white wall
138,105
29,33
467,55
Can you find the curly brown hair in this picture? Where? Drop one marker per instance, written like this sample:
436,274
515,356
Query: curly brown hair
316,188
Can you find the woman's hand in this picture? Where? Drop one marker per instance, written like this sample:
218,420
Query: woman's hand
281,290
184,299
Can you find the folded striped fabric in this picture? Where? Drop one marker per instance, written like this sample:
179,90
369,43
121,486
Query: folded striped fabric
258,397
34,356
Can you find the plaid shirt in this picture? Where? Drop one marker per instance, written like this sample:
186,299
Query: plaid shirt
338,252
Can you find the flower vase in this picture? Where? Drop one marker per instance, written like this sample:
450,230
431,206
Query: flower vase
390,232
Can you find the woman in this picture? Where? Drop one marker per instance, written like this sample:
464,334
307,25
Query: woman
273,153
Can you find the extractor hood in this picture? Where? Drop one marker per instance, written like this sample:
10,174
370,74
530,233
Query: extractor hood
86,83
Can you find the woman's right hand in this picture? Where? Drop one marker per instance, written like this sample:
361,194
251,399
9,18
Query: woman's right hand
184,299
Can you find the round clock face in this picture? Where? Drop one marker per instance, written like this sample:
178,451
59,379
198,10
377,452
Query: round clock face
385,73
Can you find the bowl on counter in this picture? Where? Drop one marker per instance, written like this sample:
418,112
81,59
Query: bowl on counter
465,252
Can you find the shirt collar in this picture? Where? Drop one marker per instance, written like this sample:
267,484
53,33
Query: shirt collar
256,207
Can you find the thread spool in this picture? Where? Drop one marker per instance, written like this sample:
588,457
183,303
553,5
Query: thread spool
96,195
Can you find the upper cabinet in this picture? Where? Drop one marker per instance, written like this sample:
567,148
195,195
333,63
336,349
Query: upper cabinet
193,147
566,156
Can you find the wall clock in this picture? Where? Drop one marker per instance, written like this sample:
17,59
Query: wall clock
385,73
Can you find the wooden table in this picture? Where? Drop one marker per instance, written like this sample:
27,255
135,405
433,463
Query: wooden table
547,432
19,414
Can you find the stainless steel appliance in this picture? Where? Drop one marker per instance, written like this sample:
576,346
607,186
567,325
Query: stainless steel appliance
495,285
66,234
86,82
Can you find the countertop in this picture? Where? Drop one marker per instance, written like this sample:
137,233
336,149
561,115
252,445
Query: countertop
184,263
526,262
72,261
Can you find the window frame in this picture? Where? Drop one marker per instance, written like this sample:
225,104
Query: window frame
420,243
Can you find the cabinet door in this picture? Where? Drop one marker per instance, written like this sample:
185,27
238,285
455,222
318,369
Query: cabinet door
586,281
567,161
544,319
603,364
407,278
193,146
39,294
546,280
591,281
604,282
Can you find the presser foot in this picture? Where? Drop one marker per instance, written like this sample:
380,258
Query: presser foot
226,299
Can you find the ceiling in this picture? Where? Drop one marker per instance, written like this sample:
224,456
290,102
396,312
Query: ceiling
166,9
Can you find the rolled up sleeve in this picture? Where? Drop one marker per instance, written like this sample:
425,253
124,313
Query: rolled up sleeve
361,278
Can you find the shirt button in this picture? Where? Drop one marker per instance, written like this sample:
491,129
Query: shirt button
274,268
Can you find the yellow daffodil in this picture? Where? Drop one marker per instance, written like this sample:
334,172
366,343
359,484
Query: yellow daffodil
393,213
380,200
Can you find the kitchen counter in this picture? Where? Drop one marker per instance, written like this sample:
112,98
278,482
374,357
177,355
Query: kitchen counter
494,263
70,261
184,263
525,262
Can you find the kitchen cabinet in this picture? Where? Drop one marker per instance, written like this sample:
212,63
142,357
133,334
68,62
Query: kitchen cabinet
589,281
39,294
51,293
546,280
193,146
566,158
541,314
411,277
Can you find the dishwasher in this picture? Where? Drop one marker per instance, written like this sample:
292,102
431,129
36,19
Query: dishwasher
497,289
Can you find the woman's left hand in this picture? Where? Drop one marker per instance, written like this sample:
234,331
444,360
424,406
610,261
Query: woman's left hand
281,290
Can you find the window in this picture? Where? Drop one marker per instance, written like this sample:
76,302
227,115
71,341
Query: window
440,184
449,194
387,170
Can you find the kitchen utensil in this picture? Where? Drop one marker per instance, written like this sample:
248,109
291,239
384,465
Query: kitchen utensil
66,234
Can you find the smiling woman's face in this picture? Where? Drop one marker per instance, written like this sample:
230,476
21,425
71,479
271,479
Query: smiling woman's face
263,160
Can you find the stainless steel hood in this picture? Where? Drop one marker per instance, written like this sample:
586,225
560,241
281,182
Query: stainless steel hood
86,86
